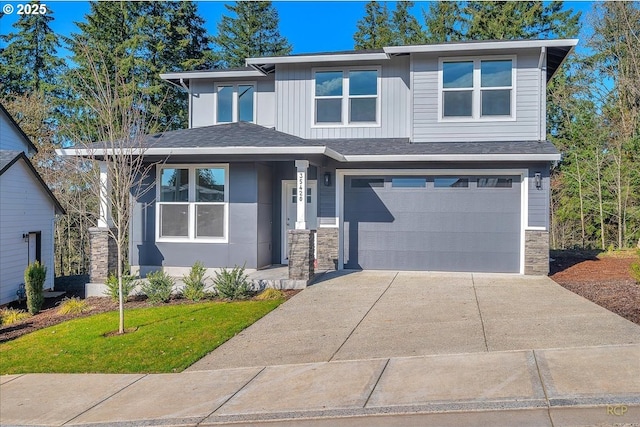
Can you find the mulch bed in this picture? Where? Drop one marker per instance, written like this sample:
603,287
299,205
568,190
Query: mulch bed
602,278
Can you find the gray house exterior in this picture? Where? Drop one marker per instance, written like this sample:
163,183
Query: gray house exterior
430,157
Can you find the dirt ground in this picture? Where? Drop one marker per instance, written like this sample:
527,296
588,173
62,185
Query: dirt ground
600,277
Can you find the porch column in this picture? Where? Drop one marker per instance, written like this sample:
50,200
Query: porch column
103,251
104,219
301,190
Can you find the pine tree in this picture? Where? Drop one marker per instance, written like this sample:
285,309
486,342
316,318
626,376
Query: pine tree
443,21
29,63
374,29
252,32
404,26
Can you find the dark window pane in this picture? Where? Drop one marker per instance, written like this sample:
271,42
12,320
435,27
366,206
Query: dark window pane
496,102
225,104
495,182
453,182
408,182
174,220
363,82
245,103
328,110
457,74
367,182
362,109
458,104
495,73
329,83
174,185
209,221
210,185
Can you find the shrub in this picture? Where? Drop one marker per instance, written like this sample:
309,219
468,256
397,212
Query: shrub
34,277
232,284
271,294
9,316
113,291
194,283
73,306
158,287
634,269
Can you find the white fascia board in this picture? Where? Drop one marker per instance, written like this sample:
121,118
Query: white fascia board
212,75
349,57
452,157
472,46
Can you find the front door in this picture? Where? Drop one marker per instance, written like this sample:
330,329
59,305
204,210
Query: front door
290,212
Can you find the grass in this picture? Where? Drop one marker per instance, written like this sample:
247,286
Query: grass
162,339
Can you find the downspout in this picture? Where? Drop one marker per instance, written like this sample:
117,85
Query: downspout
542,105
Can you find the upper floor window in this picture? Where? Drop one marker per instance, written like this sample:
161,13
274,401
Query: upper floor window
346,97
477,88
235,102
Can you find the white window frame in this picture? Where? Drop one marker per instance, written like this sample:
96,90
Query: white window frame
234,103
192,203
476,101
346,97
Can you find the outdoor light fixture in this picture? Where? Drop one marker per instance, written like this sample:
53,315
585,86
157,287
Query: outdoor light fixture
538,179
327,179
25,237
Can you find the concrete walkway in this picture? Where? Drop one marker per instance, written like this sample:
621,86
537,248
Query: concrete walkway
486,350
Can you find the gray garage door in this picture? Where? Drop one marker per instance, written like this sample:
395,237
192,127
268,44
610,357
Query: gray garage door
441,223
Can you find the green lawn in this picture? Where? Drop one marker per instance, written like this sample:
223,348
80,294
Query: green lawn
167,339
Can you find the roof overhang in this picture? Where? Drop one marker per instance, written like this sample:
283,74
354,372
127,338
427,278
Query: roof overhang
480,45
212,74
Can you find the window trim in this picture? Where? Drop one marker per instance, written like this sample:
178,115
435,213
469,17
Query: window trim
235,104
192,203
476,90
346,122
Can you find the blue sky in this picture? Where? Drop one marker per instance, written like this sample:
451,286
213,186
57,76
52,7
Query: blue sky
310,26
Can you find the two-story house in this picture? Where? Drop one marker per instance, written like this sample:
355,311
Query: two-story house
429,157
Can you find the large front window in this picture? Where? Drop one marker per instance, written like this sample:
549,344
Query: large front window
477,89
346,97
235,102
193,203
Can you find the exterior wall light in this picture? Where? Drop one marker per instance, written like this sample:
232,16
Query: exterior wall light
538,180
327,179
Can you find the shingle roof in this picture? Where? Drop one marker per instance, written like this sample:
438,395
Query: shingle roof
6,158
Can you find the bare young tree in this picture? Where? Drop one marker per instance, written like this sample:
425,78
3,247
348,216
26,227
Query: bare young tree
110,137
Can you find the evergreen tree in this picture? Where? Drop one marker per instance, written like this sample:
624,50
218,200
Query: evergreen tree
374,29
29,63
252,32
443,21
405,27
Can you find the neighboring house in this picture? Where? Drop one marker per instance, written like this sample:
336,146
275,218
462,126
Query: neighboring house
430,157
27,211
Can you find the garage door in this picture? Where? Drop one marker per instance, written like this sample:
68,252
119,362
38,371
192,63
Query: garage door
439,223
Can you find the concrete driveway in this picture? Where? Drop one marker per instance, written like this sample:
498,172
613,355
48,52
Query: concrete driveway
375,314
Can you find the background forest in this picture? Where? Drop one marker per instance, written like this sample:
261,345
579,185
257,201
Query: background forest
593,108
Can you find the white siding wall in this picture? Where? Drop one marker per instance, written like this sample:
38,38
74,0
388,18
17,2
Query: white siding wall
202,103
295,104
24,207
426,127
9,138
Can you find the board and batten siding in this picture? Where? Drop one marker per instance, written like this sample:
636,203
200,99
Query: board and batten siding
24,208
294,84
427,127
203,101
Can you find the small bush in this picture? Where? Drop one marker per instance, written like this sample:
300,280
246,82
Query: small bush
158,287
73,306
113,290
232,284
34,277
9,316
194,283
634,269
271,294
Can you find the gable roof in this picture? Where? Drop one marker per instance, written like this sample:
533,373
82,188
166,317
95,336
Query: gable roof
18,129
251,139
8,158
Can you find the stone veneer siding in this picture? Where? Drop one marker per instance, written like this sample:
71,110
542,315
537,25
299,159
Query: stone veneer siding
104,254
536,252
327,241
301,254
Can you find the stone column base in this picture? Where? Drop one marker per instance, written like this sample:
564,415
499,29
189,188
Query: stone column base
301,259
536,252
327,248
104,254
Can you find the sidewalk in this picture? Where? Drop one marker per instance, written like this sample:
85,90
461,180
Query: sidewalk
559,387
